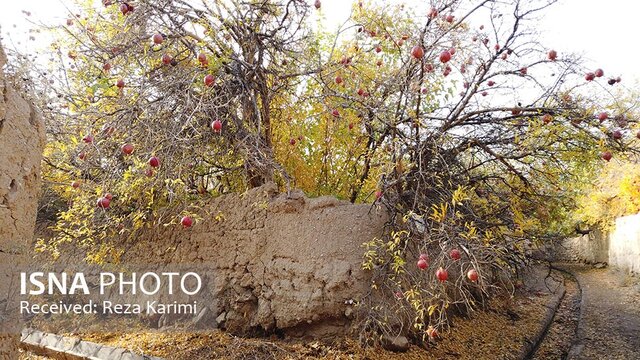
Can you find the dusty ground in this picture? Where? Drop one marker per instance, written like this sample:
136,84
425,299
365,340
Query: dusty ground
481,337
562,332
610,318
498,333
600,322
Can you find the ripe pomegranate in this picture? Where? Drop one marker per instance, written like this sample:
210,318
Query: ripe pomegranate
127,149
590,76
154,161
552,55
442,275
88,139
547,118
472,275
606,155
455,254
422,264
445,56
75,184
158,39
603,116
216,125
103,203
209,80
186,221
417,52
599,73
617,134
166,59
120,83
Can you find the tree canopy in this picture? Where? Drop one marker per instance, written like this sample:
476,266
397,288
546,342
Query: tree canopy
451,115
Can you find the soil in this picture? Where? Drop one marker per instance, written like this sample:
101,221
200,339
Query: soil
562,332
480,336
598,318
610,315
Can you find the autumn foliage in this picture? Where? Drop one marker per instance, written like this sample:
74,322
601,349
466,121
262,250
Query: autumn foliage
451,116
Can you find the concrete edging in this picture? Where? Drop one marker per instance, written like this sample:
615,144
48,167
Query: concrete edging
578,343
530,347
69,348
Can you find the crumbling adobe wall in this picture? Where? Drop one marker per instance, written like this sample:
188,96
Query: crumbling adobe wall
21,143
274,262
590,248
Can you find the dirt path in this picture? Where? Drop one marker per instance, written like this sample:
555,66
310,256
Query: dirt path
562,333
609,326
